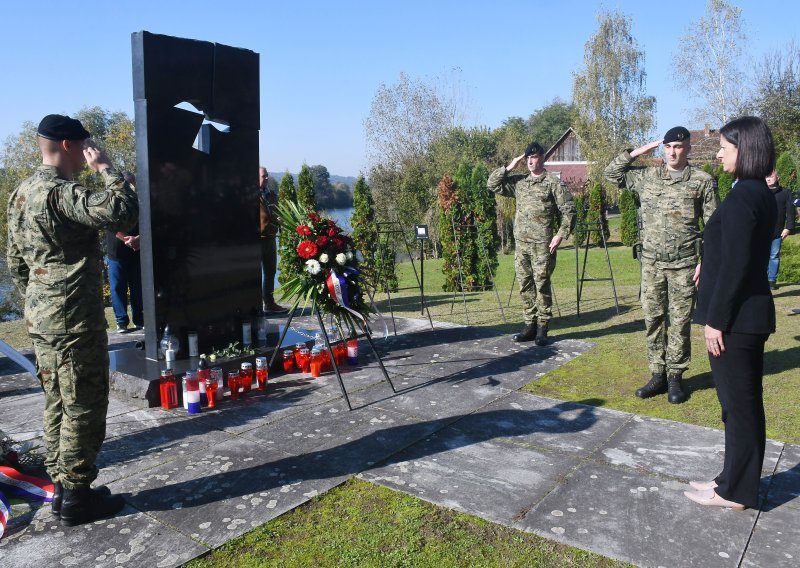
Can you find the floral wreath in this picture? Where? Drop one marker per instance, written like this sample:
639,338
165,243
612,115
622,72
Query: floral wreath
326,267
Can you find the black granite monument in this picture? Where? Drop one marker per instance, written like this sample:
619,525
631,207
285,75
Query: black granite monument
197,185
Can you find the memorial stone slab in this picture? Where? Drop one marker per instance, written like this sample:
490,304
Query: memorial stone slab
638,517
474,474
227,490
130,539
678,450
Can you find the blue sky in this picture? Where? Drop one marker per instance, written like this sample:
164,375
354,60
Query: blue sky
321,62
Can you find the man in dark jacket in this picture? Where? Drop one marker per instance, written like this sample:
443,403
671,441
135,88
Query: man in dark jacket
783,227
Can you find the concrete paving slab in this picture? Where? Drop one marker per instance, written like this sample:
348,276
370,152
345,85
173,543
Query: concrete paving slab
784,487
283,398
776,539
18,384
330,429
130,539
227,490
433,400
522,419
638,517
469,473
141,440
675,449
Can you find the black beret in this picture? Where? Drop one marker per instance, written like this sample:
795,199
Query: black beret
60,127
533,148
677,134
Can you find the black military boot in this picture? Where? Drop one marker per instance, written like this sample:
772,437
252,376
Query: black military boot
656,385
84,505
528,333
541,334
675,394
58,495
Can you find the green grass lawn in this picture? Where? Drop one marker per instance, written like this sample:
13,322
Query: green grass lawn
362,525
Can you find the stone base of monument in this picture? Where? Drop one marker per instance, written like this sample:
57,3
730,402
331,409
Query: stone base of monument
135,378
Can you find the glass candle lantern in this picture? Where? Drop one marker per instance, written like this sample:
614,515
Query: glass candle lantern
192,392
246,376
168,389
352,352
315,362
288,360
262,373
233,384
211,392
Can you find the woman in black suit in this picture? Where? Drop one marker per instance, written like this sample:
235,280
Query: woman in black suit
735,304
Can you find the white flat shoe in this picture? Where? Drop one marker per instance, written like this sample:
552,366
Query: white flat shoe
703,485
709,498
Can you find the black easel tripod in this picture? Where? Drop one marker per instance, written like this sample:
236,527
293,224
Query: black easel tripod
387,231
484,256
585,229
366,334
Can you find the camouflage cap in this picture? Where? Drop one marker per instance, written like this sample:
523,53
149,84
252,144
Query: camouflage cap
533,148
677,134
61,127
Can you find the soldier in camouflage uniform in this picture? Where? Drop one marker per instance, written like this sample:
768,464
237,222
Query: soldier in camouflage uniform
672,199
55,259
540,197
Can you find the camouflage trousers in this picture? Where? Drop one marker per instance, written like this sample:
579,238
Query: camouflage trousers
534,264
73,370
668,296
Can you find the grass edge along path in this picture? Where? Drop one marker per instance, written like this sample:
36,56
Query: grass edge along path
358,524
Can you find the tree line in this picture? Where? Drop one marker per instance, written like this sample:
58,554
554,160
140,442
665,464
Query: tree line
416,142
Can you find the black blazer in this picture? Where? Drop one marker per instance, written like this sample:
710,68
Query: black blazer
734,294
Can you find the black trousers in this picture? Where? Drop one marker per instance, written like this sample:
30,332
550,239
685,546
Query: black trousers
738,374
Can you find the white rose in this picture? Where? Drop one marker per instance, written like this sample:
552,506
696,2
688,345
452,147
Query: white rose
323,258
313,267
341,258
349,255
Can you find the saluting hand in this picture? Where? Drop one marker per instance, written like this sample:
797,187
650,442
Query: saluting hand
646,148
515,162
96,159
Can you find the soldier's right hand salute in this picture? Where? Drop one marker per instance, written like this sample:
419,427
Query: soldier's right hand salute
646,148
515,162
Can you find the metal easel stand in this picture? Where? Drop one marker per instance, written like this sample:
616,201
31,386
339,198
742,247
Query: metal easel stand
324,330
586,228
552,292
485,258
391,229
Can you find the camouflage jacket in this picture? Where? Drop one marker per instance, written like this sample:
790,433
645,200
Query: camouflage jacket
54,253
670,209
539,199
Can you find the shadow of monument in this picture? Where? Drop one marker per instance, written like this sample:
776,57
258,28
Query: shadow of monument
328,463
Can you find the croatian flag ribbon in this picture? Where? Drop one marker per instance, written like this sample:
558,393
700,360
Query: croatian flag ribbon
5,513
337,288
26,486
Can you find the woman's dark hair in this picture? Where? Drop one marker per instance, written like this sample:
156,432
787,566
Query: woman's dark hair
756,150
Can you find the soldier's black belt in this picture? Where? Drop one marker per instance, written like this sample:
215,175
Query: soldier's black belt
669,256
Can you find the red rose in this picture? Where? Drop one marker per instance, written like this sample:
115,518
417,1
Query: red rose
307,250
313,216
337,242
332,232
322,240
304,230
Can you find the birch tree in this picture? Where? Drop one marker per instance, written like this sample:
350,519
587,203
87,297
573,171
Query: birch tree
612,109
710,63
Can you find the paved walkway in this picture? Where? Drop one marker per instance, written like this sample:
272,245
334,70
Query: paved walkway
459,434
